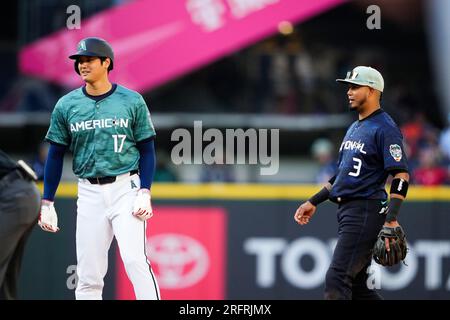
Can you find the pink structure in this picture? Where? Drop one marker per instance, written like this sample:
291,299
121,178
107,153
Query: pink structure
158,40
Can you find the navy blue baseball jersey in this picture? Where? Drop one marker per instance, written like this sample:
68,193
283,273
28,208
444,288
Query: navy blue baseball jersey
371,148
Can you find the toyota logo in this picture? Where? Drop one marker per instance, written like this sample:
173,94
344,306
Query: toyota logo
178,260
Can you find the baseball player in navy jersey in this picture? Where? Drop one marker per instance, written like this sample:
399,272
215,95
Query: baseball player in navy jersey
372,149
108,129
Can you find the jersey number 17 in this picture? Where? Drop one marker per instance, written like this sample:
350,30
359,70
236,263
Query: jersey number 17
118,146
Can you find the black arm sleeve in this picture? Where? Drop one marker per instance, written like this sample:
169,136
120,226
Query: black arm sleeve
320,196
393,209
331,181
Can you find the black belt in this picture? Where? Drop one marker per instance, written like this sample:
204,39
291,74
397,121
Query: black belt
340,200
106,180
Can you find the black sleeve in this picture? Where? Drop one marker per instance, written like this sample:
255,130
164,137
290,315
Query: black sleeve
333,178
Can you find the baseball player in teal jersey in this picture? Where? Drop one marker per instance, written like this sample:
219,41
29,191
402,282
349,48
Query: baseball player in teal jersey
108,129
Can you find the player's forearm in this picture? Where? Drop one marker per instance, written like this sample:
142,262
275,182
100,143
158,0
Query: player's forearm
399,189
147,163
53,171
323,194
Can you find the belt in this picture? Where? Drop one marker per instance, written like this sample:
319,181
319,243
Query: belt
10,177
107,179
340,200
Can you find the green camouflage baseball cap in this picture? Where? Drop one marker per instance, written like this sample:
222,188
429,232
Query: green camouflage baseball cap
364,76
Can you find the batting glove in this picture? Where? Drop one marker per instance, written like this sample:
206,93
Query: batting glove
48,219
142,205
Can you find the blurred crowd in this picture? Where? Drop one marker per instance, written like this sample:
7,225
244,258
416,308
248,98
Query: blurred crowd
276,76
280,75
428,150
287,74
283,74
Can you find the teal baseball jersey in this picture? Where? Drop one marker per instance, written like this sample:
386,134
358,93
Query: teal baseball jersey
102,135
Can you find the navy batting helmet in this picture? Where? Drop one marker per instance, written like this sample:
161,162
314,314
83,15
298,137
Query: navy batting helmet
93,47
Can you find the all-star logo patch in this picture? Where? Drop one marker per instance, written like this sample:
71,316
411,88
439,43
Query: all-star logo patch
396,152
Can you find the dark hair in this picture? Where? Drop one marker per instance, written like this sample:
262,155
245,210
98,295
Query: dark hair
110,62
77,61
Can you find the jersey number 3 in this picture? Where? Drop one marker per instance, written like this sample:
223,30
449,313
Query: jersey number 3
118,146
357,167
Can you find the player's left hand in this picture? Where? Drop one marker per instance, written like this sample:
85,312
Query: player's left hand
389,252
391,224
142,208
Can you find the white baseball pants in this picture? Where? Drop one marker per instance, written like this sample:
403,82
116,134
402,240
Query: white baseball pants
105,211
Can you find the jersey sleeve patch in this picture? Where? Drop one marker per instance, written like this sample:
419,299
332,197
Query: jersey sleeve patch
396,152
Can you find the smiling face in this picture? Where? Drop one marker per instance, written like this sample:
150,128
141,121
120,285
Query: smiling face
92,69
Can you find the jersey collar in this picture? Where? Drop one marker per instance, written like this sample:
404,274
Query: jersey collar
102,96
378,111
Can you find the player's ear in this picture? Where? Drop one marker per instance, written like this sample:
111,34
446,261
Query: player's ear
106,63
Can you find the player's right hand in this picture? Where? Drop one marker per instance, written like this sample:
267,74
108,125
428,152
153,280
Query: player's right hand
48,219
142,208
304,213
